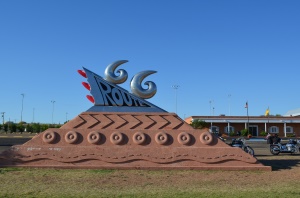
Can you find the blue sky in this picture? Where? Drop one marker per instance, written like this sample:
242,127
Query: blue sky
211,49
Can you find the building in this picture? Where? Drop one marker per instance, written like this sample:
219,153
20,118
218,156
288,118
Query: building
284,126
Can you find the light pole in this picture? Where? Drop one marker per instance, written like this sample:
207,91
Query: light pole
22,105
229,97
210,106
247,116
53,101
210,103
8,129
175,87
66,117
3,118
33,115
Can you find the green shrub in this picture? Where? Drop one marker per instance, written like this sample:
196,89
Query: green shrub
244,132
199,124
263,133
291,135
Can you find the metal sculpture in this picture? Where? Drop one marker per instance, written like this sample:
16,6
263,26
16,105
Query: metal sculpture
108,96
136,85
110,73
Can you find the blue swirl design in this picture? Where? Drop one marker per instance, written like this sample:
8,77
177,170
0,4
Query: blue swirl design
110,75
136,85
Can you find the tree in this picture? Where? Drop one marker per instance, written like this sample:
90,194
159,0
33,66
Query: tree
13,127
29,128
20,127
44,127
199,124
36,127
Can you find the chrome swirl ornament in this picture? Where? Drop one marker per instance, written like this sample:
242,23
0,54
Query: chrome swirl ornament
110,75
136,85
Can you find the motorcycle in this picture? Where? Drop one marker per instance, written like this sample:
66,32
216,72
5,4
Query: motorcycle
290,147
240,142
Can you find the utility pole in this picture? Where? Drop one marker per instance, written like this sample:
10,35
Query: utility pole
2,121
33,115
229,97
52,101
3,118
22,105
210,108
175,87
247,106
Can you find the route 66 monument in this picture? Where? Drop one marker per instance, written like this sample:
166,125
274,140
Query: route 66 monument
122,130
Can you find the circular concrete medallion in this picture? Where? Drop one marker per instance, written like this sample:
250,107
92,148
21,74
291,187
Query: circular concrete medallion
139,138
184,138
161,138
71,137
116,138
49,137
206,138
93,137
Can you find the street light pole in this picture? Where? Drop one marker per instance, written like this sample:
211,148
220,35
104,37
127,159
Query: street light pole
229,97
3,118
22,106
33,115
175,87
210,106
210,103
53,101
66,117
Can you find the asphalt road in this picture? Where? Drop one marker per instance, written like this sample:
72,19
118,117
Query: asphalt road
10,139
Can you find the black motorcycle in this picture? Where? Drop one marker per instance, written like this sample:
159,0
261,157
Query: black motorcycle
290,147
240,142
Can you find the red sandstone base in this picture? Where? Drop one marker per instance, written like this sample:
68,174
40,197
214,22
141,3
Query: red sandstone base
129,141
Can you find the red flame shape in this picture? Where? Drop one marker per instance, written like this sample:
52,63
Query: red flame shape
82,73
91,98
86,85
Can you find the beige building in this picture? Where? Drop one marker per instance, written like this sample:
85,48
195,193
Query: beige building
284,126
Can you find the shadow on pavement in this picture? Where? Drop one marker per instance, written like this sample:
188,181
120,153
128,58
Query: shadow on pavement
280,164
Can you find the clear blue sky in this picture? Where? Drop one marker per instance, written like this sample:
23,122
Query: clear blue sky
211,49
